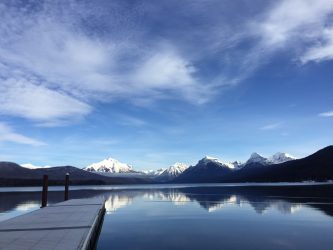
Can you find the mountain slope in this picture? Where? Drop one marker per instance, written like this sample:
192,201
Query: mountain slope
257,160
171,172
280,158
13,170
12,174
208,169
109,165
316,167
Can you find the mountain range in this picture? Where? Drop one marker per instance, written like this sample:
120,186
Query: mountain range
12,174
280,167
113,167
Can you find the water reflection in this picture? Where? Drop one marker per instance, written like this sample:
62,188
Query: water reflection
286,200
116,201
197,217
213,199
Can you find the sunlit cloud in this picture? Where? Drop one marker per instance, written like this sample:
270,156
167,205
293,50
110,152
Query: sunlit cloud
326,114
321,51
19,97
7,134
57,64
271,126
293,20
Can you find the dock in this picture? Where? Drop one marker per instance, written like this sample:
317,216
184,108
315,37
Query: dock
73,224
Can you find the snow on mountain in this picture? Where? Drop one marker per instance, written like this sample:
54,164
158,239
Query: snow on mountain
280,158
113,166
277,158
175,170
31,166
257,158
208,159
154,172
109,165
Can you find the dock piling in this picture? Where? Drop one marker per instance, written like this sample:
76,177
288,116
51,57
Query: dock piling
66,186
44,192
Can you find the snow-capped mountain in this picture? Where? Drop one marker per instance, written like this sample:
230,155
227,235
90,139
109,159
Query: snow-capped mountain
280,158
31,166
109,165
172,172
208,159
175,170
207,168
211,169
154,172
257,159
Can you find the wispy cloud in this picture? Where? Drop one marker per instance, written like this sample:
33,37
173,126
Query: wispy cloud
128,120
291,20
19,97
59,64
299,26
322,50
7,134
271,126
327,114
63,62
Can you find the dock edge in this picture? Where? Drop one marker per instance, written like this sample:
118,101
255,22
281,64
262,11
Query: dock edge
92,237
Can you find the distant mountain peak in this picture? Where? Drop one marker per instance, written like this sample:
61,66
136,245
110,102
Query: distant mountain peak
255,155
153,172
208,159
280,158
176,169
32,166
277,158
256,158
109,165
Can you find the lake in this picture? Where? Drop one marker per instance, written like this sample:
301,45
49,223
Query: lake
202,216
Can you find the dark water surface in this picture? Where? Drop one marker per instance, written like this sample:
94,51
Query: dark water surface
201,216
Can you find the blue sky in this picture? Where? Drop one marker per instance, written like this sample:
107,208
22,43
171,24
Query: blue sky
154,82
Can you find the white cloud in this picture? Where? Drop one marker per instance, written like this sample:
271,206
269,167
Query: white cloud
7,134
25,99
327,114
64,69
323,50
131,121
271,126
299,26
168,70
298,19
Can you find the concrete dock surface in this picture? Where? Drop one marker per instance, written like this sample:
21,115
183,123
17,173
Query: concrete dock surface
72,224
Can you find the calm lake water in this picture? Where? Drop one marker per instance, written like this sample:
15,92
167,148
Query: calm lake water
200,216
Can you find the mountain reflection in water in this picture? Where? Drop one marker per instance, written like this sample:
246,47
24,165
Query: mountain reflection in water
202,216
117,201
285,199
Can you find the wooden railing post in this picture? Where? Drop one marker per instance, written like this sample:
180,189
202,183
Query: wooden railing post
66,186
44,192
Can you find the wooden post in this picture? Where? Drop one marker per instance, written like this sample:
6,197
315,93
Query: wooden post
44,193
66,186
